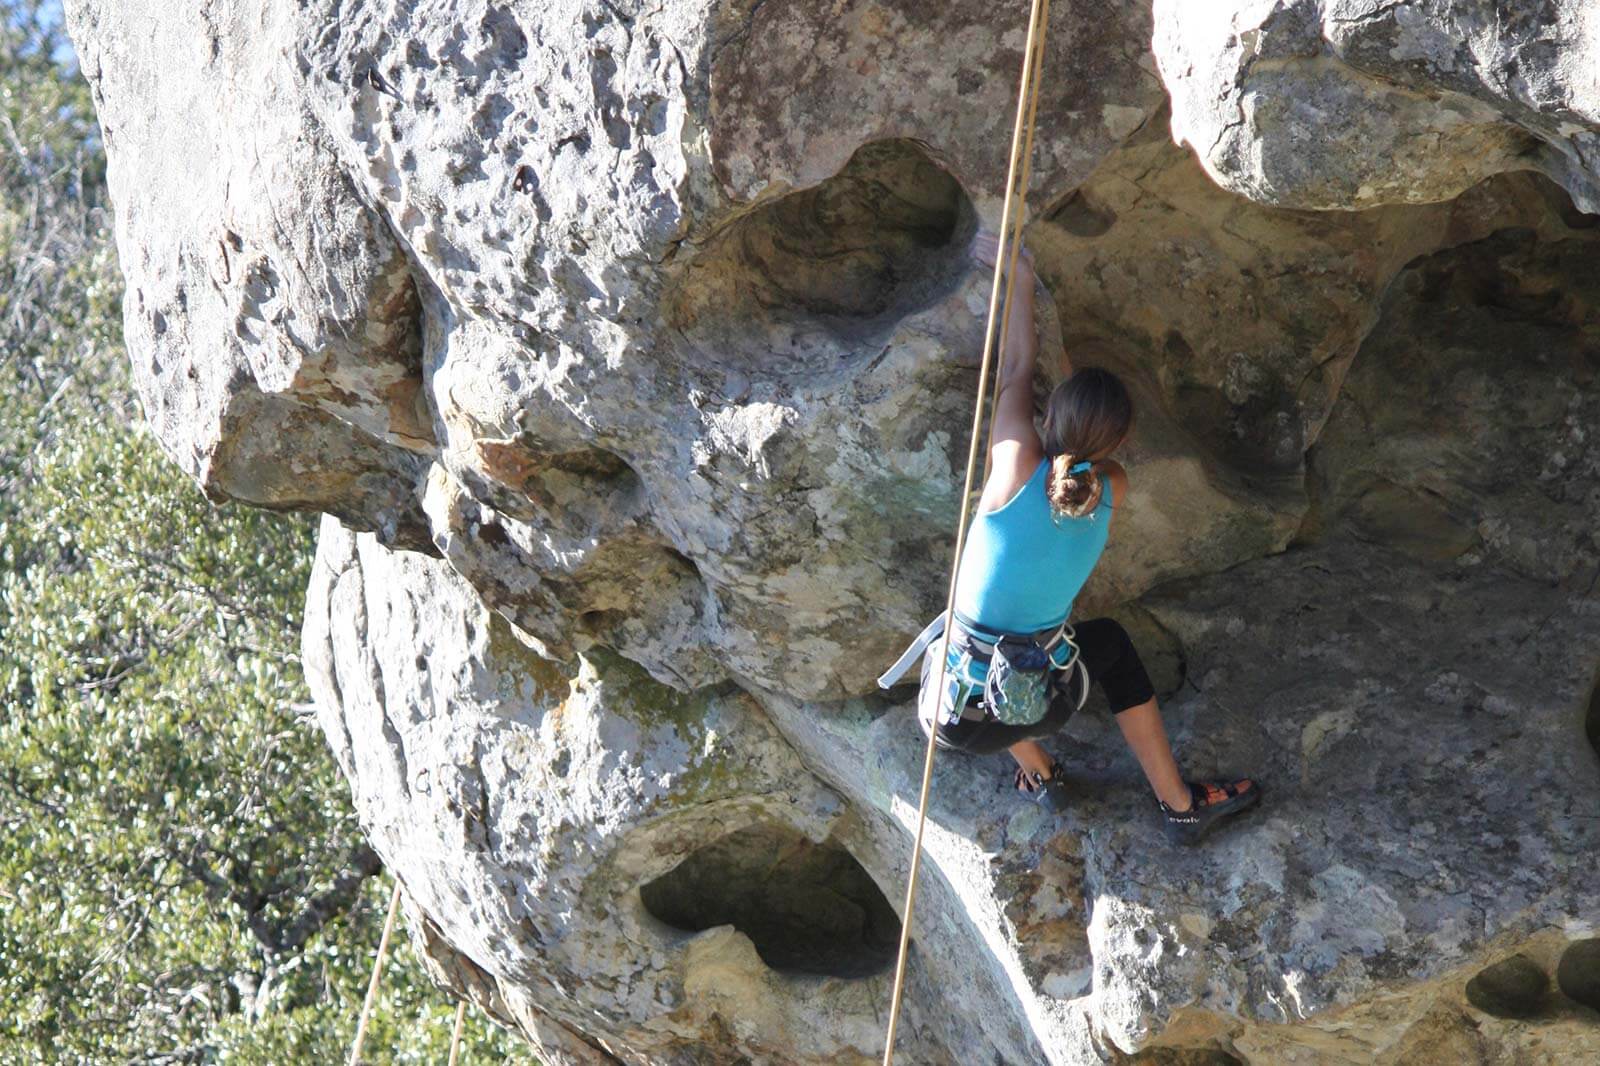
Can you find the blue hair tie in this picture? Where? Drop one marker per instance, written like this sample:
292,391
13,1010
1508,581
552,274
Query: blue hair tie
1080,468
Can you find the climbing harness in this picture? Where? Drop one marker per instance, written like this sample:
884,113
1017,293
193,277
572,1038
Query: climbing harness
1010,240
372,990
1010,671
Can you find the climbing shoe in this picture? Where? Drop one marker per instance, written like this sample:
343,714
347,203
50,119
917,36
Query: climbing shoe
1048,792
1212,802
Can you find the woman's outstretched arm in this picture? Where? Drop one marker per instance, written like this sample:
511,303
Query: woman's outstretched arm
1016,448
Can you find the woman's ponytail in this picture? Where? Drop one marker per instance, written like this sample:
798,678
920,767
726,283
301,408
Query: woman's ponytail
1089,414
1074,488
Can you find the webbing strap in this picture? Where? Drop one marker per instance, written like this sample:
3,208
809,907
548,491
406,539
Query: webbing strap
913,652
1012,219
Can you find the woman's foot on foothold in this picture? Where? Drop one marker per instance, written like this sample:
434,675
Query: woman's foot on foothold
1048,792
1210,802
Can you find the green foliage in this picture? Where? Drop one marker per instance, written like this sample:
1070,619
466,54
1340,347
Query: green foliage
181,876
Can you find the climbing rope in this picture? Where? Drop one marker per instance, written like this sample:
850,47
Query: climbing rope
372,991
377,974
1010,239
455,1037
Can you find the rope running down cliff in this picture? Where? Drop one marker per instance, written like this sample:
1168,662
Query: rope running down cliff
1010,240
372,991
377,975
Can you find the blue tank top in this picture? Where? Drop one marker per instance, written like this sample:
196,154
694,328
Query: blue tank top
1023,563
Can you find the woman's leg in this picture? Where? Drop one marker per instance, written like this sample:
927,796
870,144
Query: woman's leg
1142,728
1141,724
1112,660
1026,749
990,737
1114,664
1032,757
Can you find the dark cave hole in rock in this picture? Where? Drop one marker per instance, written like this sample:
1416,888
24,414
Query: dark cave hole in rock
805,284
1482,360
1261,433
1081,216
809,908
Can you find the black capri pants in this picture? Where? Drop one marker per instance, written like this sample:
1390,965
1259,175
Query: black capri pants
1112,662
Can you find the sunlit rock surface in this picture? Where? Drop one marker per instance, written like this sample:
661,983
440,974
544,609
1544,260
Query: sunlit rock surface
633,346
1342,104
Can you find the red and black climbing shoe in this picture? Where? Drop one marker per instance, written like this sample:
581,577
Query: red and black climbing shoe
1212,801
1048,792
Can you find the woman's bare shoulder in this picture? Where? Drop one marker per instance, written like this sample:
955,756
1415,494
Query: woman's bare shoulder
1014,466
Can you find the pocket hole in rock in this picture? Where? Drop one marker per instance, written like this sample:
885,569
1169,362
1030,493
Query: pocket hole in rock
805,284
809,908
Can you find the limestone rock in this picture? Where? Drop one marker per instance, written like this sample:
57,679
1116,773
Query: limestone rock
271,317
654,325
945,74
1489,457
1354,103
594,838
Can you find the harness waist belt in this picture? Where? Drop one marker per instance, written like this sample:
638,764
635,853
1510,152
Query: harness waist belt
979,635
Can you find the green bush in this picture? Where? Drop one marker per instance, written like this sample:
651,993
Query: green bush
181,876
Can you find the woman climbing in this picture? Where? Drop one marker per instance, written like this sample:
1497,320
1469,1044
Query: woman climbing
1015,669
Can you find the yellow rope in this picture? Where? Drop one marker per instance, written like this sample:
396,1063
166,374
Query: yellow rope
372,991
455,1037
377,972
1021,141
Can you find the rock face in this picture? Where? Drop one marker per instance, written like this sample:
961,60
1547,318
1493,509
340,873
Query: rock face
1337,104
272,318
630,350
